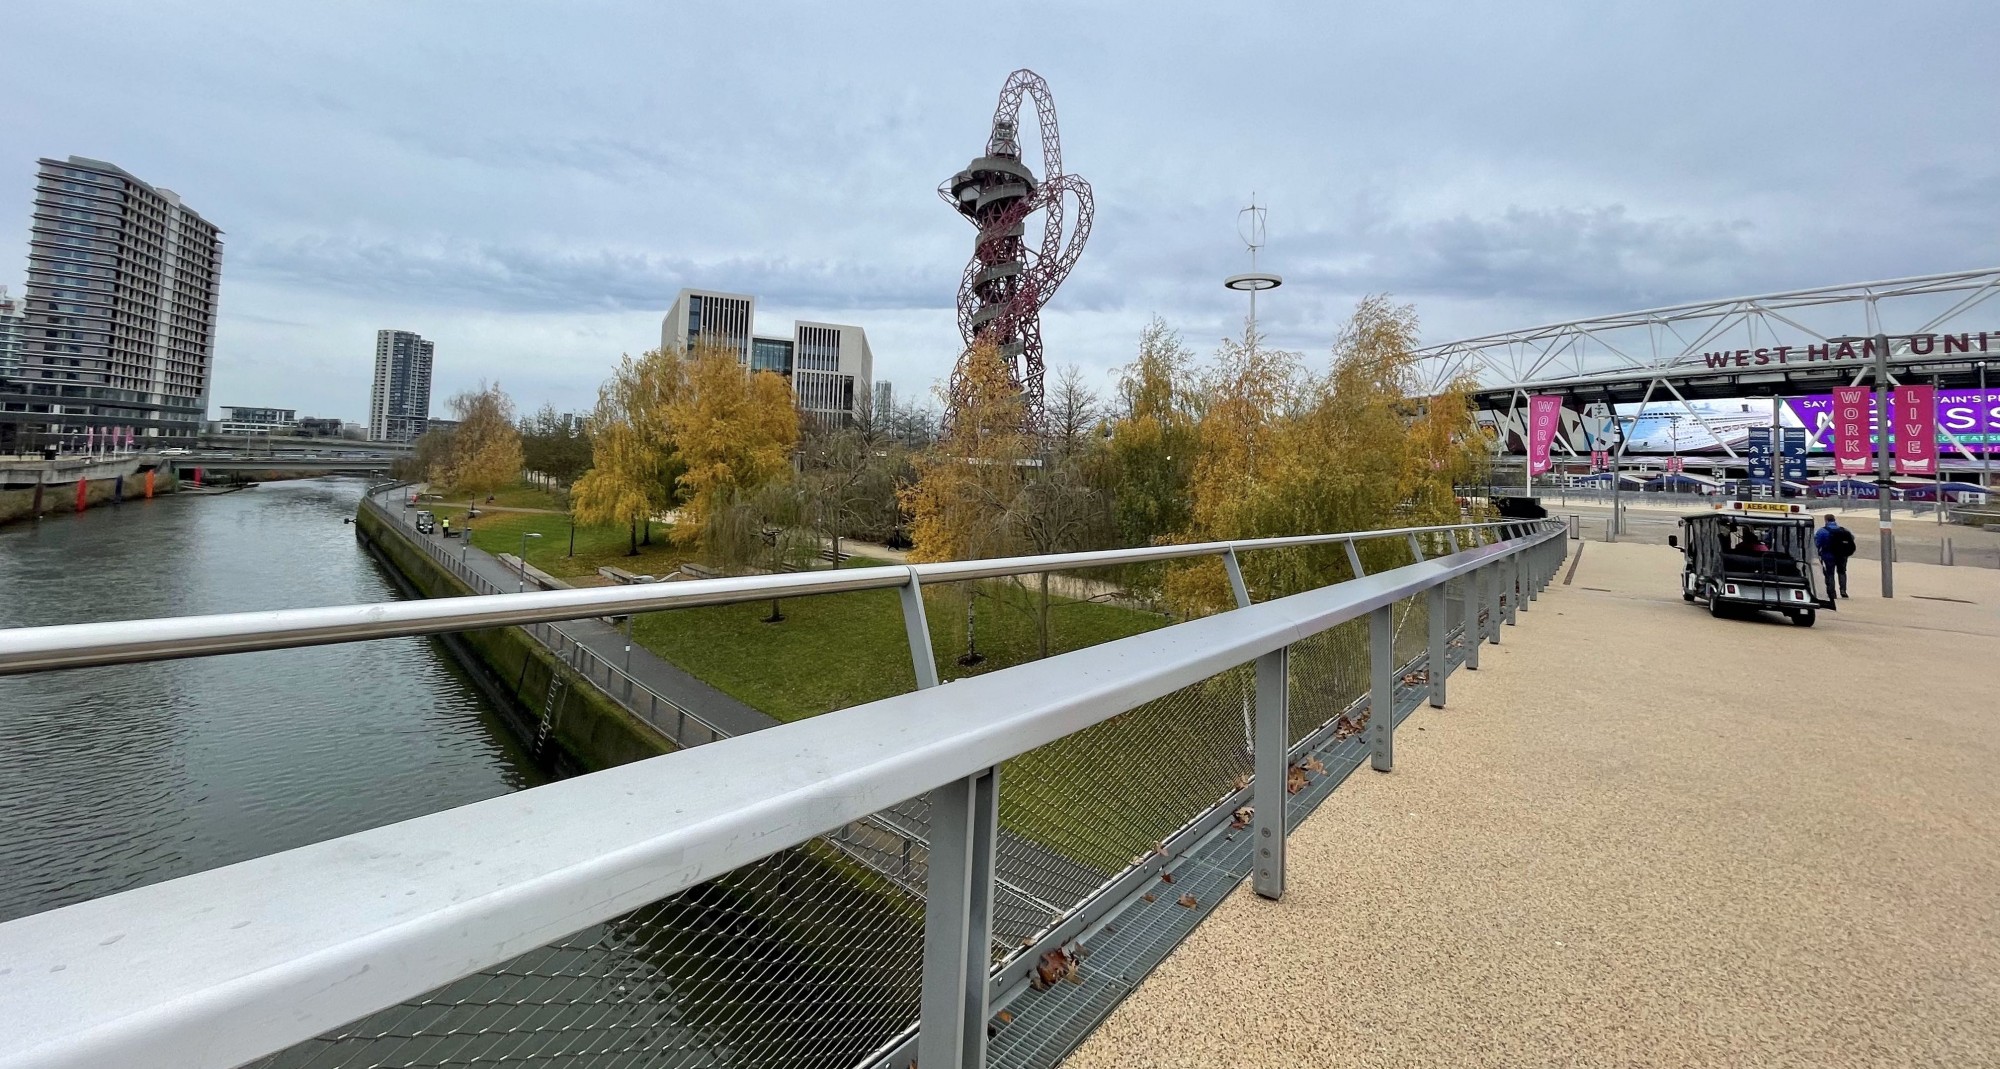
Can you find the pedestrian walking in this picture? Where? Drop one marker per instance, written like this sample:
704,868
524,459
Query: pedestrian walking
1835,544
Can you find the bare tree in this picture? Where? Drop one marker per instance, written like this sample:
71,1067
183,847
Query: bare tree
1072,410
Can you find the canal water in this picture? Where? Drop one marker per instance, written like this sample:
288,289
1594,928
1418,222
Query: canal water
111,778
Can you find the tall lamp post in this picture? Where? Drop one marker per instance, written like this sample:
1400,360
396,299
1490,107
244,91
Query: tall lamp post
523,558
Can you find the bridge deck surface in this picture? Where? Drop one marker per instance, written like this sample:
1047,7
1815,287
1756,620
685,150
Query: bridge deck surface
1640,836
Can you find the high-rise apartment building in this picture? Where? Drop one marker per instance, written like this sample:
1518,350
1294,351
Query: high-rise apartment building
885,399
829,364
13,334
399,406
120,328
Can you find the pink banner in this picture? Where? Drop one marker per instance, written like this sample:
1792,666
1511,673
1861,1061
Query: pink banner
1851,418
1544,414
1915,409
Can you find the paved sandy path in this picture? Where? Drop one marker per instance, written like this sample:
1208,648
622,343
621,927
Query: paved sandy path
1640,837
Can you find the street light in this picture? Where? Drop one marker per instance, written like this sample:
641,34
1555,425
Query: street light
525,535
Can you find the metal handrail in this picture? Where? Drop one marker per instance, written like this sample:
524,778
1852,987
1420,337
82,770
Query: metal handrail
36,649
213,969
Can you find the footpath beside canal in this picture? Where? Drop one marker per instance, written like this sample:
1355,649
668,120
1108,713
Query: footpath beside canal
574,685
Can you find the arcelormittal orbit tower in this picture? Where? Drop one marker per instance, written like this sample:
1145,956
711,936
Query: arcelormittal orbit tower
1005,286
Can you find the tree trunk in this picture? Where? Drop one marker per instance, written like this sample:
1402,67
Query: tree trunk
836,549
649,531
1042,616
634,550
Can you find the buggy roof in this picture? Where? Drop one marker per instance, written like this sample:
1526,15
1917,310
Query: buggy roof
1771,512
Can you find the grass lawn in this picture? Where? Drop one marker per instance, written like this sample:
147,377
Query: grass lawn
522,496
500,532
837,650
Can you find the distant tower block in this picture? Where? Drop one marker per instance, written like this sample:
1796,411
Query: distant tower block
1006,284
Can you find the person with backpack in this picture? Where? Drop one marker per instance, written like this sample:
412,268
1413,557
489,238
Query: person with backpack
1835,544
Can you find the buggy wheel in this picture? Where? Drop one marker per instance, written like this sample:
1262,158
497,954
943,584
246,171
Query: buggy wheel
1805,617
1714,604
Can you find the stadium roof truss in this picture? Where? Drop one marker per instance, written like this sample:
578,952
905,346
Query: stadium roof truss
1678,343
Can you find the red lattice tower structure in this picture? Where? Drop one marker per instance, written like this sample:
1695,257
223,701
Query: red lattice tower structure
1006,284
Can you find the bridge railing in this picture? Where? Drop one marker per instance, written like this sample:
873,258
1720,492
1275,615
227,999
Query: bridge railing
734,903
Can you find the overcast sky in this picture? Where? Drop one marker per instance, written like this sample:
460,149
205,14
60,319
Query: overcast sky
529,184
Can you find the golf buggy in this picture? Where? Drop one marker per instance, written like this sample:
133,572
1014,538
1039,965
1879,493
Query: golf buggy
1755,555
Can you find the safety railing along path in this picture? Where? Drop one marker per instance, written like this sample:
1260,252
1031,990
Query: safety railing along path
686,909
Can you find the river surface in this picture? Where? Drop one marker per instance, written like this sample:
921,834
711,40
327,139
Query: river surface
111,778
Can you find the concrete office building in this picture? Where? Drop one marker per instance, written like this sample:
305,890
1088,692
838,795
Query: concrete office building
13,334
120,328
399,405
885,399
829,364
238,419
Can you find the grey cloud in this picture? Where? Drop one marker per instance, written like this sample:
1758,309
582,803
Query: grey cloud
504,278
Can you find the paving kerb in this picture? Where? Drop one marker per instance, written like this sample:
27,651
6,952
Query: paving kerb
1638,836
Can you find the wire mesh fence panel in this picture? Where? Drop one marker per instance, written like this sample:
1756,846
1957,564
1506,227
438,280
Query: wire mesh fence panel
1077,811
1412,618
1329,674
805,960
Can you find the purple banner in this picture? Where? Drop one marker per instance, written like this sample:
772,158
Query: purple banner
1969,415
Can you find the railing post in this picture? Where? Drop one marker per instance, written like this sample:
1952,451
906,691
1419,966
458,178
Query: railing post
1453,535
1513,589
1439,665
918,631
1496,575
1416,550
1354,558
1242,593
1474,632
1236,585
1382,690
958,923
1272,767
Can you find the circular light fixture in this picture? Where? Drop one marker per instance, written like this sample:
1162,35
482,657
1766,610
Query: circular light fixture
1254,281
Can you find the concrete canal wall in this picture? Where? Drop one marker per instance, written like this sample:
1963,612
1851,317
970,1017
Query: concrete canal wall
586,730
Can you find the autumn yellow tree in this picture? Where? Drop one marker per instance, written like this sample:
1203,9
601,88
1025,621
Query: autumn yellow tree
733,431
483,453
1152,446
967,484
632,459
1283,451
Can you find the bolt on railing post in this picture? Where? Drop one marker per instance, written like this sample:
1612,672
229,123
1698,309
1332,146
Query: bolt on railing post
1439,667
918,632
1382,689
958,923
1271,765
1353,558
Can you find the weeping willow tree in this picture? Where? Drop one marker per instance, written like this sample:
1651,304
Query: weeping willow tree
1285,450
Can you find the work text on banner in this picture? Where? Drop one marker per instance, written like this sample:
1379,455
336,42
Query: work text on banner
1544,414
1851,416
